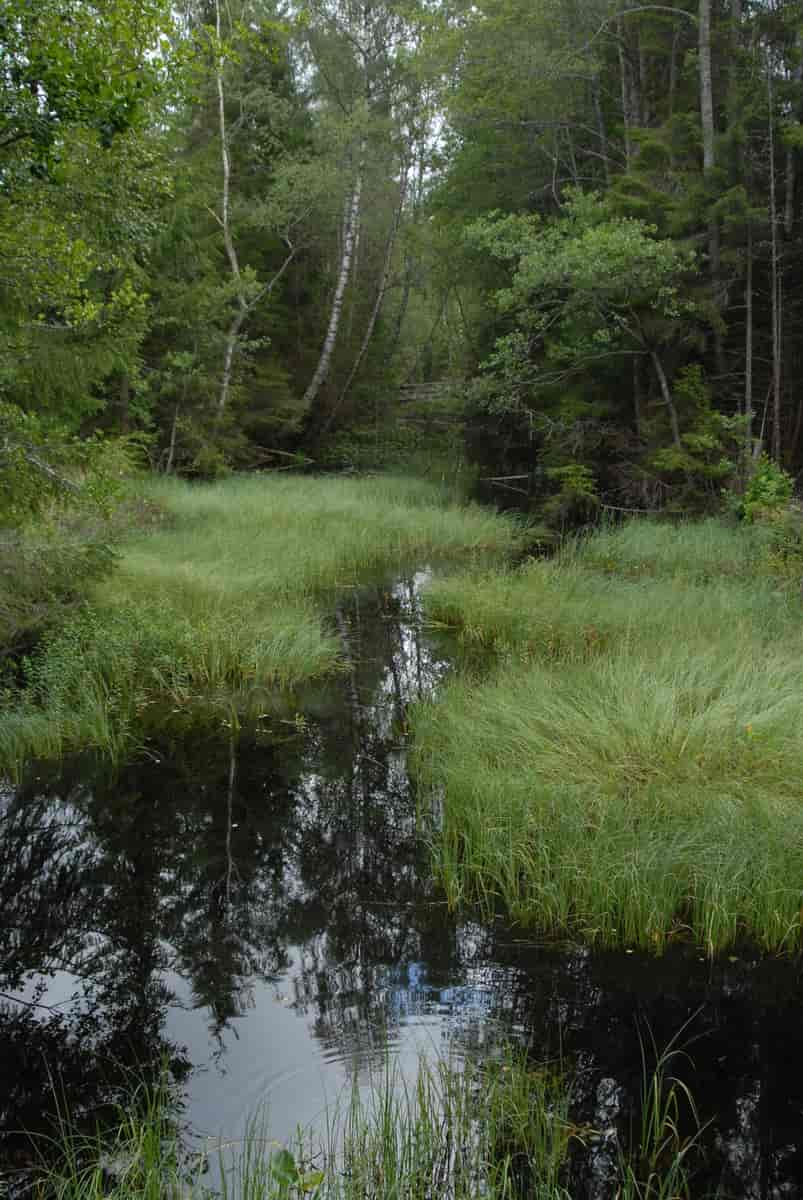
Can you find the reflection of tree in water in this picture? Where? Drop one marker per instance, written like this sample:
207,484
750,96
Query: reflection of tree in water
234,861
55,920
742,1039
210,858
364,902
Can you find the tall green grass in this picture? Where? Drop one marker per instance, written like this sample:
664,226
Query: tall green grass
226,599
629,769
500,1130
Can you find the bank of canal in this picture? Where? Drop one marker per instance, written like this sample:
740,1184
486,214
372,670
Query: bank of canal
257,910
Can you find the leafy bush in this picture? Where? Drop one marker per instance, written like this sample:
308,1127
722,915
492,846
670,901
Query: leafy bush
768,492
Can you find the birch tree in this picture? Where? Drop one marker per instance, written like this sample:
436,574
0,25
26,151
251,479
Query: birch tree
360,55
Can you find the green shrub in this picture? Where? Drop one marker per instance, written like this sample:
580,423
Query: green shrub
768,492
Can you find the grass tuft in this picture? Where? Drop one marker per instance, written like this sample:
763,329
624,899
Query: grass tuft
500,1129
228,595
628,768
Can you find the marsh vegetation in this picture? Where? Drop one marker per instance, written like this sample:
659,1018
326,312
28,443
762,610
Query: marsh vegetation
229,599
502,1129
623,762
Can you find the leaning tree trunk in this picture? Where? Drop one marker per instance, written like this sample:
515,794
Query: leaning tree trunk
384,280
669,402
352,225
228,357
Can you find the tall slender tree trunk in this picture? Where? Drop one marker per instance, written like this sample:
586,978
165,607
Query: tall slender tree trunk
789,194
706,87
748,354
775,277
171,453
350,233
228,358
791,154
601,130
355,270
673,70
643,75
380,294
709,160
638,399
225,222
625,87
666,392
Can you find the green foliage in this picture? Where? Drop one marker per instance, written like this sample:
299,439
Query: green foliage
577,495
625,772
768,491
46,569
63,507
584,287
224,602
83,176
591,292
42,466
710,449
499,1126
74,63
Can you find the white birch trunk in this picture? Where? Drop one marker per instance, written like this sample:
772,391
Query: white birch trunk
380,295
228,241
324,362
668,400
228,357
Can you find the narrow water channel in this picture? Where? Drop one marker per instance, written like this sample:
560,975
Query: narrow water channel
256,911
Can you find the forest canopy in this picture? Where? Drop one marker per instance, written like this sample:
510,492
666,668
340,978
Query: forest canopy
246,235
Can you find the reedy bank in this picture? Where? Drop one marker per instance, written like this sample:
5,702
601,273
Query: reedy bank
627,767
227,601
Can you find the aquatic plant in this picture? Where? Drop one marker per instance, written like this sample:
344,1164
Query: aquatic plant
626,769
500,1128
228,596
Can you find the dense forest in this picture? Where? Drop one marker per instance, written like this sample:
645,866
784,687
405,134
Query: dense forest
285,287
236,235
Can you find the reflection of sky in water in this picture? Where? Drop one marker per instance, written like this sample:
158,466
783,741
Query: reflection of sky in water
297,1032
317,946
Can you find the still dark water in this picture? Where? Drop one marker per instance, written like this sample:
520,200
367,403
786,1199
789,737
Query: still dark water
257,912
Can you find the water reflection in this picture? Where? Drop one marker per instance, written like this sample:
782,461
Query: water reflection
256,912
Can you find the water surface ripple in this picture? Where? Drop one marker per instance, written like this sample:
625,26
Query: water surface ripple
258,913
